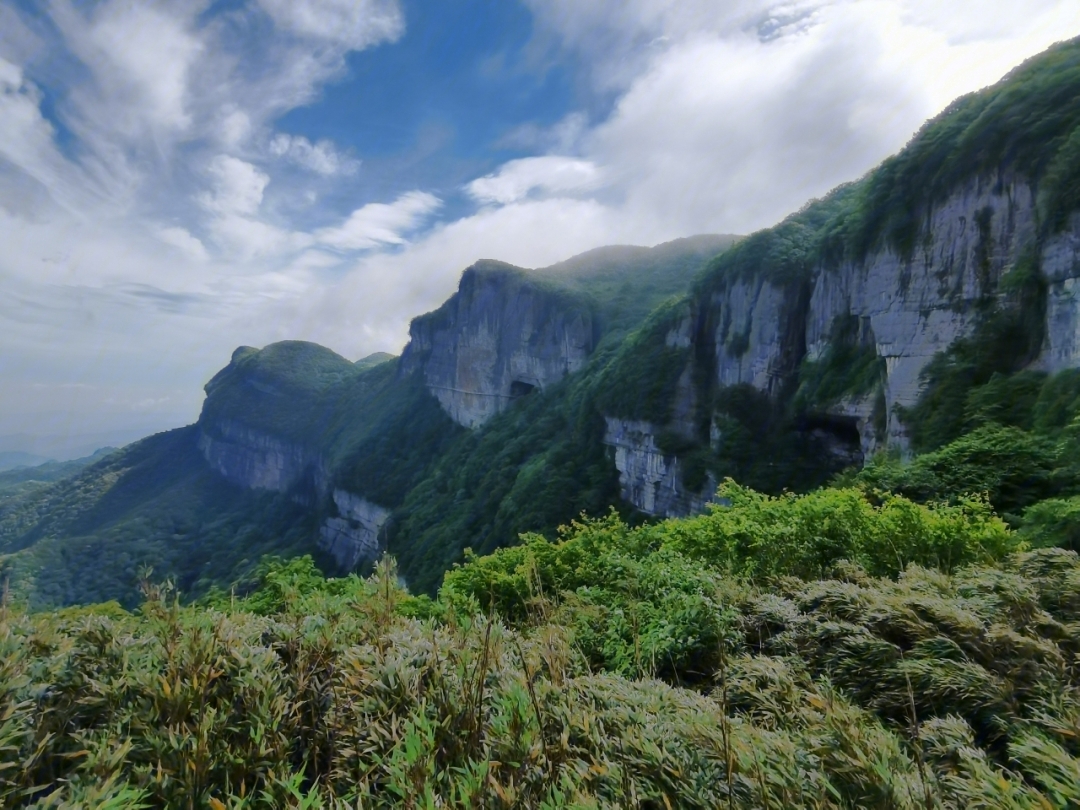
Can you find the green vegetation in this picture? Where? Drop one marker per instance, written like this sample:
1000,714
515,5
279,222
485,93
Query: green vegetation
641,379
1028,124
20,481
287,389
372,360
531,468
616,667
154,503
1013,437
627,283
848,368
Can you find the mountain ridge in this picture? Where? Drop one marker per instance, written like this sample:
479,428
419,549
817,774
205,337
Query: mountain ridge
640,378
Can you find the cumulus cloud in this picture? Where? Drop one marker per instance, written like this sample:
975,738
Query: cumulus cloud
141,57
182,240
551,174
238,186
156,197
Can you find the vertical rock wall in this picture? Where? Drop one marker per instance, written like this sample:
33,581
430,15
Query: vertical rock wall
354,536
498,338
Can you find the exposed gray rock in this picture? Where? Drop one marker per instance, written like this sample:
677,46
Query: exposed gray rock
649,479
354,536
256,460
753,331
499,337
1061,266
908,309
919,307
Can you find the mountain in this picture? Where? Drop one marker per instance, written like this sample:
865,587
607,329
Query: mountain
928,309
14,459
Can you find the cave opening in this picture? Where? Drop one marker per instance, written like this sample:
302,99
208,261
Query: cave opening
520,388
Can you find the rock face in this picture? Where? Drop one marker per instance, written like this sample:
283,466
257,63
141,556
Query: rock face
255,460
354,536
911,308
648,478
917,307
759,331
1061,267
499,337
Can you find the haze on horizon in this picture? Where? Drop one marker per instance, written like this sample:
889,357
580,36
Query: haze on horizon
179,178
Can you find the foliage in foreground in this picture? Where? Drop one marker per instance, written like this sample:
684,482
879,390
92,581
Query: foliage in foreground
618,667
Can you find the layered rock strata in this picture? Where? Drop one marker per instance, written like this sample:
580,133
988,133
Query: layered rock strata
256,460
648,478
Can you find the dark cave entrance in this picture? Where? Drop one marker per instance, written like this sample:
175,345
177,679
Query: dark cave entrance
519,389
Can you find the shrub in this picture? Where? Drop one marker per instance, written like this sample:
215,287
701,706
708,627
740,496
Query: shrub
806,535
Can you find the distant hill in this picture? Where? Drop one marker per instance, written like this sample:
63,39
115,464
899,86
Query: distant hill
373,360
16,458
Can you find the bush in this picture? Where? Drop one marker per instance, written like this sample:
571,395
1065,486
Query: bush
1011,467
758,536
1053,522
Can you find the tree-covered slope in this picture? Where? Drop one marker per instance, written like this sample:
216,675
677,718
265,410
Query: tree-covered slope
152,504
285,427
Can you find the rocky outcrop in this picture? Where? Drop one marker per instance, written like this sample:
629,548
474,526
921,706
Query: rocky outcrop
757,331
760,330
256,460
914,307
1061,267
918,306
648,478
354,536
501,336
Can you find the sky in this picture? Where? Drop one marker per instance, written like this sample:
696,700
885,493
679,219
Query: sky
181,178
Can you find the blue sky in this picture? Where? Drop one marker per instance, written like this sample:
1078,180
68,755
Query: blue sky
178,177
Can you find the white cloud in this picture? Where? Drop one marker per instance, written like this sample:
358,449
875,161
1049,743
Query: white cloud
181,239
181,223
321,157
553,174
140,56
352,23
379,223
237,187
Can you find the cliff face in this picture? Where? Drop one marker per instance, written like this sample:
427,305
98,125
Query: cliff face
354,536
760,331
256,460
648,478
499,337
1061,267
917,307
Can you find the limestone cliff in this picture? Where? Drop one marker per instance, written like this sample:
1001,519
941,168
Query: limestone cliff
501,336
256,460
354,536
649,478
763,329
